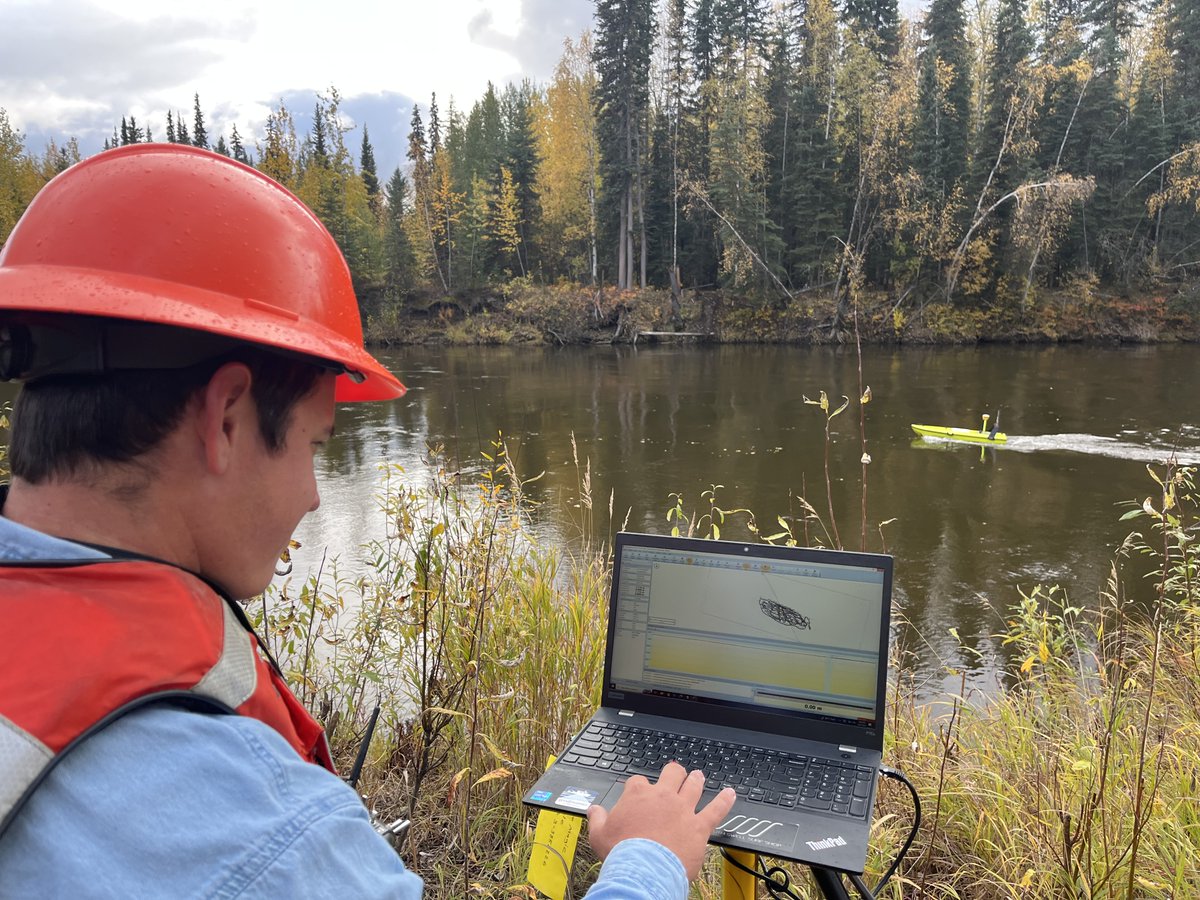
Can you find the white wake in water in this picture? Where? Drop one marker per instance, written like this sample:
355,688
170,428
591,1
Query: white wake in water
1094,444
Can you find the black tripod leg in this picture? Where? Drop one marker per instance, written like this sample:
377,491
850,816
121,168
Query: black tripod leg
830,883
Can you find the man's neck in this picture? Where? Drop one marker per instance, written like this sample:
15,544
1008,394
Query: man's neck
89,513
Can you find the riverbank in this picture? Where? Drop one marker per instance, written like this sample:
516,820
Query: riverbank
483,647
523,313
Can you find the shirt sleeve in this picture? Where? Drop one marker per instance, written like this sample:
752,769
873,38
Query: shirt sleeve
168,803
640,869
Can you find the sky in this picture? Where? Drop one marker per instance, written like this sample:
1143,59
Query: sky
73,68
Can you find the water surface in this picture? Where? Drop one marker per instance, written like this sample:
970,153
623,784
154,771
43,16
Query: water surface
971,526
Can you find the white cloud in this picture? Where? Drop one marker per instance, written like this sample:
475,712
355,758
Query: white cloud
76,67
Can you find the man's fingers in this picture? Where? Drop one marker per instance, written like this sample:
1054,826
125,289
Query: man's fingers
693,787
596,816
718,808
672,776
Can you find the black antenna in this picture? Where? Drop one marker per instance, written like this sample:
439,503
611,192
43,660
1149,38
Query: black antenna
356,769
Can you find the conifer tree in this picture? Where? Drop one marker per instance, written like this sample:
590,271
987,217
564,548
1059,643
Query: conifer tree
624,35
221,147
170,128
318,145
875,23
237,150
366,164
398,253
811,192
435,127
181,132
520,157
1183,46
944,103
199,133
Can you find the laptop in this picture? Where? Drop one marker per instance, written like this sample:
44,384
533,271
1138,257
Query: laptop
764,666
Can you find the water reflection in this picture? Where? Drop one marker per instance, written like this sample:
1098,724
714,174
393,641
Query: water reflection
972,524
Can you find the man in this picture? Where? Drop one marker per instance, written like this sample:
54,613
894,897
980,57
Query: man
183,327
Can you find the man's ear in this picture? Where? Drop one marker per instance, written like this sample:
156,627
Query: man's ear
225,415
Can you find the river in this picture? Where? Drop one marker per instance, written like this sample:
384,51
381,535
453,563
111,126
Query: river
971,526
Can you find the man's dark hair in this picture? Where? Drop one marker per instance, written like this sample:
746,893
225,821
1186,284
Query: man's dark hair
61,423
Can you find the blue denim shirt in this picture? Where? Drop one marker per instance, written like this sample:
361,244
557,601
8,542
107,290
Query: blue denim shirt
168,803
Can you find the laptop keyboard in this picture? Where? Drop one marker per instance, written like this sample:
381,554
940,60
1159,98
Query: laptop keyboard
761,776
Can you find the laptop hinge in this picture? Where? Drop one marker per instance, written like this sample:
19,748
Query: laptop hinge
844,749
625,712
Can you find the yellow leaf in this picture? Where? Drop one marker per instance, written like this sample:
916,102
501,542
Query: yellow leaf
1028,664
1027,878
1081,765
455,781
866,397
1043,651
493,749
493,775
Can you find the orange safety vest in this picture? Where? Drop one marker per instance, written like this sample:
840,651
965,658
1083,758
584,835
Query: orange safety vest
87,641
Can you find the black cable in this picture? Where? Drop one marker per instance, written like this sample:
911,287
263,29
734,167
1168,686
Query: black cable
897,775
777,880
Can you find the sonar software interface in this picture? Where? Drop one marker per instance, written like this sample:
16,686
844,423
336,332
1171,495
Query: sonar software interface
800,637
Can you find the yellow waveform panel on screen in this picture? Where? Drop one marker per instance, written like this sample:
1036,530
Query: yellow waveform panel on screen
781,668
852,677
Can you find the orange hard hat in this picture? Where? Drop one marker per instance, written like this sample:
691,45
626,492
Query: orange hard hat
168,234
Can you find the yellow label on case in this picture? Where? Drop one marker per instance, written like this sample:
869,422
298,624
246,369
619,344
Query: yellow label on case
554,841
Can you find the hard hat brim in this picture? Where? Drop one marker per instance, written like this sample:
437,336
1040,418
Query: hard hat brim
86,291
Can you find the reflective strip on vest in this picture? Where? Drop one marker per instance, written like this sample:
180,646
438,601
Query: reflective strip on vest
234,676
22,757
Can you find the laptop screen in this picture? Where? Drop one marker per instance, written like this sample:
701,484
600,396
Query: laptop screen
796,632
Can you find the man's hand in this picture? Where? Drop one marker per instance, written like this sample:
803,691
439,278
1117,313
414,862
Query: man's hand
665,812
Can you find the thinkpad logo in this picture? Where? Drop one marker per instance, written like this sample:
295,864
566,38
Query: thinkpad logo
827,844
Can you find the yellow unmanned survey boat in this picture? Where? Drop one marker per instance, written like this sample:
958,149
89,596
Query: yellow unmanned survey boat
982,436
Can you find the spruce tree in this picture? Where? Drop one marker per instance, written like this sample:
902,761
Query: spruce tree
521,160
624,36
398,252
367,172
318,144
170,128
944,103
199,133
435,127
235,146
221,147
1183,45
874,23
811,192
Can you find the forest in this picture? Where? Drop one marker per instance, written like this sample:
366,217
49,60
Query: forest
796,155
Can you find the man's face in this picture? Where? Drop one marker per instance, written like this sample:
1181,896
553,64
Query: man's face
275,491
